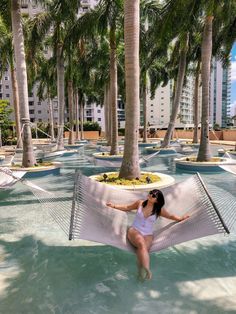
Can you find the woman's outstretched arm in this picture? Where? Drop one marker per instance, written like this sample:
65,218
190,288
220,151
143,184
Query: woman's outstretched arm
129,207
166,214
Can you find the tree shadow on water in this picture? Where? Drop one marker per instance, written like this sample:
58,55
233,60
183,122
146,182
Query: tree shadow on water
101,279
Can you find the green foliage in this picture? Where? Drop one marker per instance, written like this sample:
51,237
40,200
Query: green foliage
5,122
40,126
216,127
121,132
92,126
114,179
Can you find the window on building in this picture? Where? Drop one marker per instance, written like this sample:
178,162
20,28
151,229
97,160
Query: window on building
39,103
7,95
31,111
152,105
31,103
162,97
151,110
99,119
0,96
162,116
7,86
162,104
6,78
39,111
151,116
55,104
99,111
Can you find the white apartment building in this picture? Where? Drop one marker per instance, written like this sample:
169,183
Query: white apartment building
159,108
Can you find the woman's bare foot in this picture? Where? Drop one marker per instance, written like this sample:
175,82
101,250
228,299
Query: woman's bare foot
144,274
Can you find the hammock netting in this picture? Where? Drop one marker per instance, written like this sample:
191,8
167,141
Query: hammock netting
8,178
84,214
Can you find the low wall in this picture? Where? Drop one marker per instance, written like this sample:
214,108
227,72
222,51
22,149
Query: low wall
88,135
229,135
224,135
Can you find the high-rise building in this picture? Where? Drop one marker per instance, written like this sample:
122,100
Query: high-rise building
220,94
159,108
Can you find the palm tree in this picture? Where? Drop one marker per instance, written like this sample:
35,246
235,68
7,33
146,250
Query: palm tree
46,76
19,51
196,102
7,59
178,90
57,19
130,165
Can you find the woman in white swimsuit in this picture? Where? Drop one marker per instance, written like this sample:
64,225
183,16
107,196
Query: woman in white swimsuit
140,234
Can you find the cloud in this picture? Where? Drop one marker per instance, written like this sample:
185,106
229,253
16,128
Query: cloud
233,71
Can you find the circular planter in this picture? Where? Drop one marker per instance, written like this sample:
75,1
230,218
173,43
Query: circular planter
69,152
162,151
40,171
81,142
74,146
148,144
222,152
186,164
165,181
189,144
50,155
105,156
102,142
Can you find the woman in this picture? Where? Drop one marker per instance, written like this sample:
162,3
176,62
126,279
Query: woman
140,234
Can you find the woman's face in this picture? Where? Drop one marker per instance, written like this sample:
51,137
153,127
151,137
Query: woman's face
152,197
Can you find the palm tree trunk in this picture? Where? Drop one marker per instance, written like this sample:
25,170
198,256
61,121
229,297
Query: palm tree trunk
16,105
105,111
51,121
19,51
61,97
196,107
81,109
113,92
76,98
109,116
145,110
130,165
178,92
71,112
204,153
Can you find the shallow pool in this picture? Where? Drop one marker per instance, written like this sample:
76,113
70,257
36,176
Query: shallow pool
42,272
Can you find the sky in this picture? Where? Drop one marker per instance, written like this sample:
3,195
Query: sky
233,78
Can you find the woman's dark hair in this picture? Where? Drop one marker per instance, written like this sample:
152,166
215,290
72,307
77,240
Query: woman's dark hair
156,206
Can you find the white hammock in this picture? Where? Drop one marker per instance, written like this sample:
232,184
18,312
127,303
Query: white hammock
229,168
9,178
87,217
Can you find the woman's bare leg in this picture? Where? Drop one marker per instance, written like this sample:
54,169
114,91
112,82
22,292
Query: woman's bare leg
142,245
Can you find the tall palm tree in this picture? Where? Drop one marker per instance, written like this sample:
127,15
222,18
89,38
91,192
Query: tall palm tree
7,59
58,17
196,102
179,87
46,77
19,51
130,165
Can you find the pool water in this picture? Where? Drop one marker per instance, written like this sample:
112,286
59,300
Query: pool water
42,272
